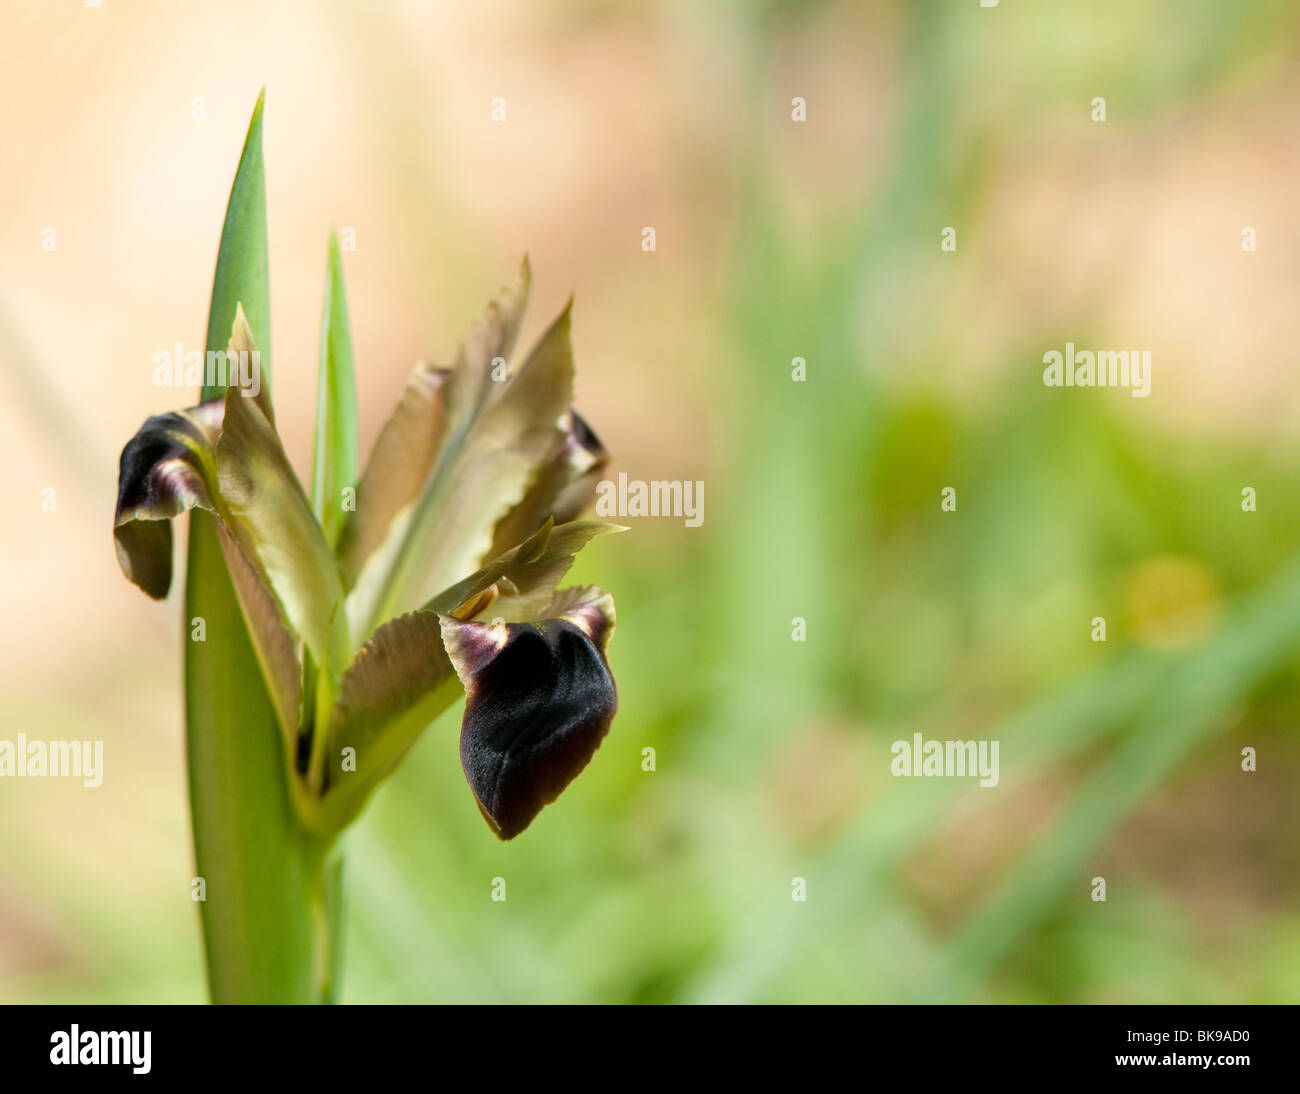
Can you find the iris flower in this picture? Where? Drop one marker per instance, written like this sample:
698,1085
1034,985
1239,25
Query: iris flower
440,570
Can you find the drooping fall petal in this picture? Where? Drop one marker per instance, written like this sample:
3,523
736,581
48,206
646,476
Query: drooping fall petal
224,456
402,678
170,466
539,700
166,469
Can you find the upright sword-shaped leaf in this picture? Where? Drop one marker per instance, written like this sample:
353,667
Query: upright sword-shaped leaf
260,908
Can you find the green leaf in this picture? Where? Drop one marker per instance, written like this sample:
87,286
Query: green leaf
335,464
243,273
259,868
255,859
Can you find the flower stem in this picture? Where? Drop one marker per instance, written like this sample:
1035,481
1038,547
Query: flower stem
261,868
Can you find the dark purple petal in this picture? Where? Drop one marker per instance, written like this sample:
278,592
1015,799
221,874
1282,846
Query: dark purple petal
165,469
539,699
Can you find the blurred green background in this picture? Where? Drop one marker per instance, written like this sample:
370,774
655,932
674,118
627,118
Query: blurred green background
775,240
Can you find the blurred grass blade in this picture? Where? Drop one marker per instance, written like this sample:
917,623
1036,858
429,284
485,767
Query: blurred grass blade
256,863
1193,703
335,464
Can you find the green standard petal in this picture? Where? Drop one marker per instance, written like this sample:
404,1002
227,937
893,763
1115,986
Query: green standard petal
501,430
492,337
271,517
563,490
539,700
519,585
273,644
400,681
395,474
